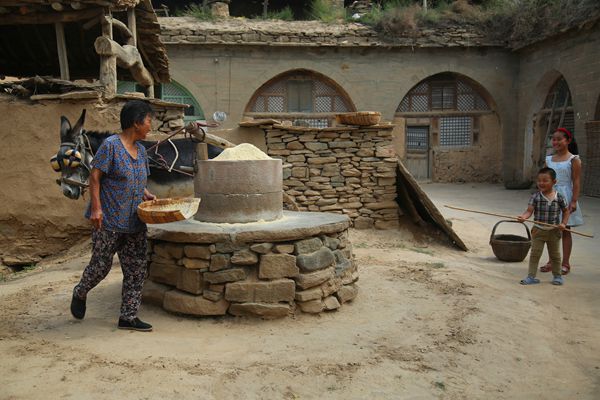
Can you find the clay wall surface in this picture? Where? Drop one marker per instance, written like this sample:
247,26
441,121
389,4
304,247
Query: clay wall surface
36,219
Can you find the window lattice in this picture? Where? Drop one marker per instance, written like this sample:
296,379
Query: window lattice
417,138
323,104
455,131
442,95
420,103
301,93
561,90
275,104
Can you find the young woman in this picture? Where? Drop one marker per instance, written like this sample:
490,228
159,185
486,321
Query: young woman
567,164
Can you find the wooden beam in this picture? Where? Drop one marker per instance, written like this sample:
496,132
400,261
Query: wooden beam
127,57
49,18
61,46
108,63
121,27
131,23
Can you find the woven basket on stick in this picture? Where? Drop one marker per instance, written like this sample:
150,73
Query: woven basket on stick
161,211
361,118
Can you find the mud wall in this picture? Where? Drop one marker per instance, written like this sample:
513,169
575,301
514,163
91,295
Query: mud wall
36,220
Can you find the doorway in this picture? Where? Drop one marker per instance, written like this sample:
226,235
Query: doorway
418,151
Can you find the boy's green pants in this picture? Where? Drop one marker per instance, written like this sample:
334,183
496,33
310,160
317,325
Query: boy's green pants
552,239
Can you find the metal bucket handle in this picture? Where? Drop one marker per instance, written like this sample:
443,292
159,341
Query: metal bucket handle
508,220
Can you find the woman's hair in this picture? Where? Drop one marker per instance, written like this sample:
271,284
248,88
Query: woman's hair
134,111
573,149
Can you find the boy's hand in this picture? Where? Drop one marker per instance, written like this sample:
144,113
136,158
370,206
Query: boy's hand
562,227
521,218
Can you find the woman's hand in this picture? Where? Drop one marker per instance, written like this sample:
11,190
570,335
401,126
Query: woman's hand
96,218
573,206
148,196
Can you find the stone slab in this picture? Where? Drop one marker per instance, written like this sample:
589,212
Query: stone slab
165,273
312,306
347,293
191,281
260,310
261,292
154,293
228,275
306,281
184,303
203,252
274,266
292,226
320,259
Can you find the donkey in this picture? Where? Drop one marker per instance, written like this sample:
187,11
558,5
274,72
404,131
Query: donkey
171,162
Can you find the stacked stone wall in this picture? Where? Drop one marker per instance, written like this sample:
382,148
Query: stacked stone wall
185,30
345,170
266,279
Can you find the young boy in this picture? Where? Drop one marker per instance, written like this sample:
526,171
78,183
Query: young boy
546,206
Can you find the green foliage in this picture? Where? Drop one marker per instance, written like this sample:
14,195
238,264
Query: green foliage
325,11
199,12
285,14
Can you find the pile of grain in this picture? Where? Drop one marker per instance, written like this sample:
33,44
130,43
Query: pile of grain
244,151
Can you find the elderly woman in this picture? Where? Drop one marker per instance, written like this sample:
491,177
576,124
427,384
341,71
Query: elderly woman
117,187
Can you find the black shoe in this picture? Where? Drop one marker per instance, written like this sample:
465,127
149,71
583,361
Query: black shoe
77,307
135,325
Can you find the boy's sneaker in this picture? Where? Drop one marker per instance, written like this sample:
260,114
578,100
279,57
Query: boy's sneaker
77,307
557,280
135,325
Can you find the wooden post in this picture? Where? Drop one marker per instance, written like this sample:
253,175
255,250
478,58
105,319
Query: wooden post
61,46
265,8
131,24
108,63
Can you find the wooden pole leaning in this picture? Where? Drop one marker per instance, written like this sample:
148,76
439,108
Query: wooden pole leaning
517,219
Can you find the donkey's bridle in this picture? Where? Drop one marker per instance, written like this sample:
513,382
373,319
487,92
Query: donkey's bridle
84,150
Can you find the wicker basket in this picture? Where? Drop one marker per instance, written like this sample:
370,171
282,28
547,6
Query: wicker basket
162,211
362,118
511,248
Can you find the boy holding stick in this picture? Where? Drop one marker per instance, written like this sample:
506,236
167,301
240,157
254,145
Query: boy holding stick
546,206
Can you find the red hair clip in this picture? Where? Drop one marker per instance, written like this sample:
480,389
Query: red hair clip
566,132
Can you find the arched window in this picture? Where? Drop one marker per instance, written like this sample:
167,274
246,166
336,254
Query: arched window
443,92
300,92
558,107
172,92
453,102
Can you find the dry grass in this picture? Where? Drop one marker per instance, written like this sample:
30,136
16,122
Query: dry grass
514,21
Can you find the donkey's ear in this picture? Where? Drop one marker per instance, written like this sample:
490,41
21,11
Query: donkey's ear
79,124
65,129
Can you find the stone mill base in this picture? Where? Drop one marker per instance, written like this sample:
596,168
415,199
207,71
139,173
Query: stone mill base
303,262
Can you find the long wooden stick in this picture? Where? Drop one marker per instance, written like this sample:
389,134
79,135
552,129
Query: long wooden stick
517,219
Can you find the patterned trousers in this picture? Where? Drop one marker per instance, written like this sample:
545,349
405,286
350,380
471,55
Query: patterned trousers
131,249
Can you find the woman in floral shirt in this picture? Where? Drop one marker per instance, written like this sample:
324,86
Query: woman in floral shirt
117,187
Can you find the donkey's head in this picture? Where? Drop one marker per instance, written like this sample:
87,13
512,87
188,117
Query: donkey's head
73,158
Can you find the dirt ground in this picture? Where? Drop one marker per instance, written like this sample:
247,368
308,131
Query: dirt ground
429,322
